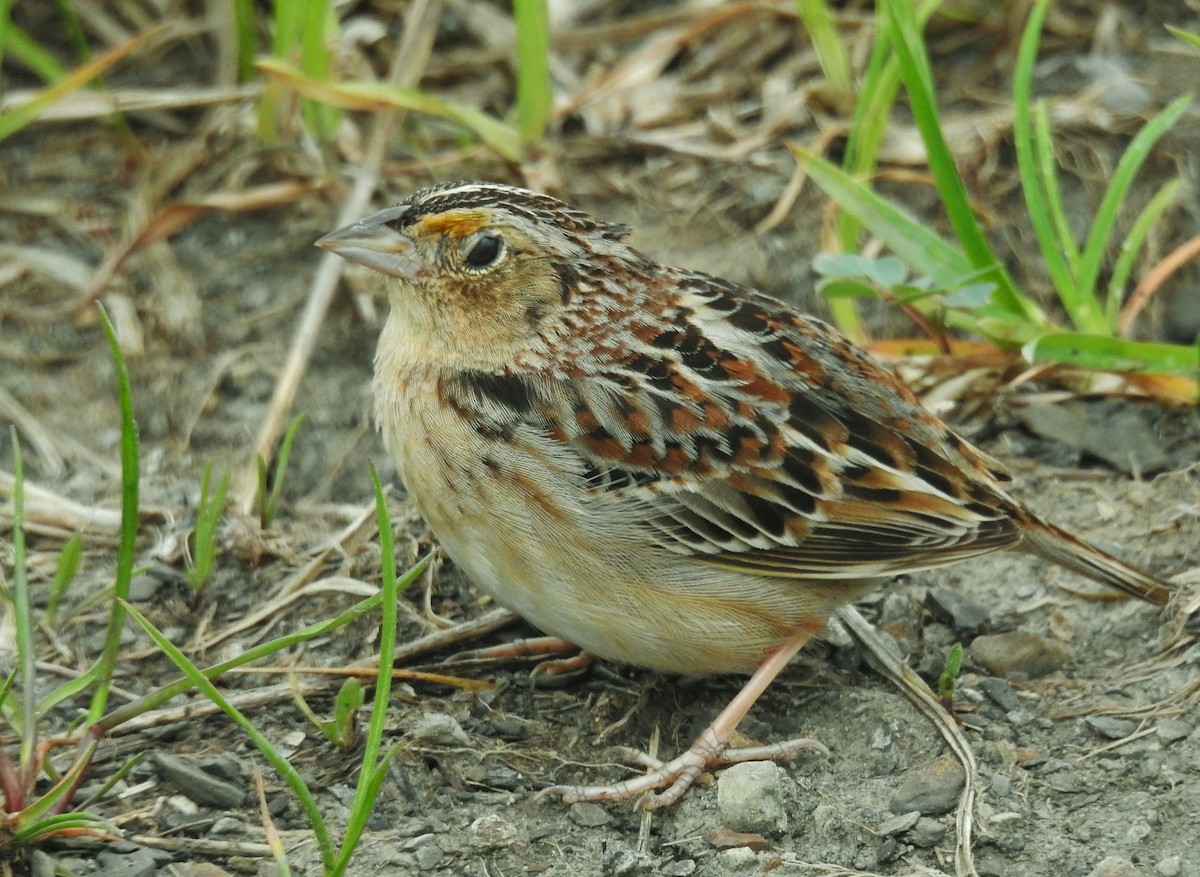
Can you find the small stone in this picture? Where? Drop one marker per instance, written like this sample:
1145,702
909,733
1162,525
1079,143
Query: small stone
142,588
1171,866
1113,866
926,833
1020,718
750,798
682,868
932,788
739,860
199,785
1002,693
439,729
1010,654
138,863
589,815
429,856
1113,729
1069,781
228,825
41,865
1171,730
1001,785
898,824
956,609
621,861
491,832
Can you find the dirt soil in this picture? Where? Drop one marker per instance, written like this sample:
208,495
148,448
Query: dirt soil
1088,749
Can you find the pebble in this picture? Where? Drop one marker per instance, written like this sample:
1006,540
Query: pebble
41,865
589,815
1171,730
1113,729
899,823
440,730
956,609
682,868
199,785
750,798
932,788
621,861
1171,866
926,833
1117,434
1113,866
139,863
739,860
1002,693
1001,786
1020,718
491,832
1010,654
429,856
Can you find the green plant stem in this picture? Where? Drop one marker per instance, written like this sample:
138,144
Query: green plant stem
129,524
534,93
918,80
822,31
281,765
23,621
373,767
158,697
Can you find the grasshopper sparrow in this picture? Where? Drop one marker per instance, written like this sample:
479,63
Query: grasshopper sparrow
659,466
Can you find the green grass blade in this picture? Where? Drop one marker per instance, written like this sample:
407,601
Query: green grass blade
1114,354
367,96
1131,162
127,545
1192,39
905,235
281,765
918,81
321,118
831,52
17,118
64,574
158,697
535,96
37,829
372,765
25,49
6,27
243,24
23,621
1066,251
1132,244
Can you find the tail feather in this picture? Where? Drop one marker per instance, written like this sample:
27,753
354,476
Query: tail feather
1051,543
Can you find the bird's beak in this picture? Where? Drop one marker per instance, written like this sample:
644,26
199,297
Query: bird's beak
375,243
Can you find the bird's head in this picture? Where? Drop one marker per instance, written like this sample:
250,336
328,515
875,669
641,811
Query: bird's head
478,270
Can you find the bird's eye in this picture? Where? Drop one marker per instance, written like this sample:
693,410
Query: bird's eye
485,251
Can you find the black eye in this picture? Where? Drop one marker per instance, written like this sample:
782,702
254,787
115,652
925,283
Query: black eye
485,252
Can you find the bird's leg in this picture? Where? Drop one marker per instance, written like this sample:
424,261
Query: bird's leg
525,648
710,749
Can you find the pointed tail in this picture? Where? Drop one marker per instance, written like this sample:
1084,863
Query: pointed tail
1049,542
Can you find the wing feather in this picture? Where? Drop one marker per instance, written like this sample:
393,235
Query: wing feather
757,439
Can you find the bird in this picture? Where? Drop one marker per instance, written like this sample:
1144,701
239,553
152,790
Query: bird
659,466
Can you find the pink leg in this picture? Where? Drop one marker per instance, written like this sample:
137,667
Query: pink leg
710,749
526,648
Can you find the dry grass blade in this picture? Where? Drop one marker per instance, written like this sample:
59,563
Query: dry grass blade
88,105
1153,280
410,59
918,692
52,514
